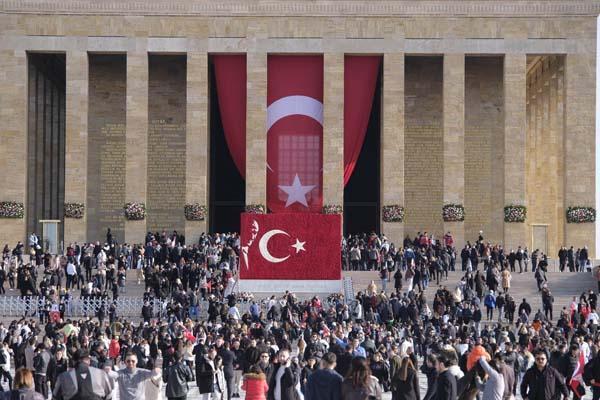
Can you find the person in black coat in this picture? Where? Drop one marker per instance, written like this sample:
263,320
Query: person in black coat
286,378
324,383
542,381
446,382
567,363
251,356
229,359
205,371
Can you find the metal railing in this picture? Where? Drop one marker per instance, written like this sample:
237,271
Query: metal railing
30,306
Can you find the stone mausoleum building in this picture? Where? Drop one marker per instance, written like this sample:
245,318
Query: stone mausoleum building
482,104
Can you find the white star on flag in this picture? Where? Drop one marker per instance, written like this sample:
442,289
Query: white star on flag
296,192
299,246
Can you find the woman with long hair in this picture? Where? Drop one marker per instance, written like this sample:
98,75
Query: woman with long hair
405,383
360,384
380,370
23,387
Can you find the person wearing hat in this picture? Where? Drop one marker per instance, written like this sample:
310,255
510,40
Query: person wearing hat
83,382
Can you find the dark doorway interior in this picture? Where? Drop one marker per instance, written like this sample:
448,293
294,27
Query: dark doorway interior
46,140
361,194
227,188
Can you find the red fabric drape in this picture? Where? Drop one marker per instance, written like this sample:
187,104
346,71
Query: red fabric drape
230,73
360,77
294,133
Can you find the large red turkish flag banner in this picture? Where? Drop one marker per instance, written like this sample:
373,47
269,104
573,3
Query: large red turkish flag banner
295,133
298,246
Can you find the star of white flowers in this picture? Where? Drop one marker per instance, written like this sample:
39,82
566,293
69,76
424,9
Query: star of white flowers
296,192
299,246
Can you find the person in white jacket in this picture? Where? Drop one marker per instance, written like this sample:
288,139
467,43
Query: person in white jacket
5,354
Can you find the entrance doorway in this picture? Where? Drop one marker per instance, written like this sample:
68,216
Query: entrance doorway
539,238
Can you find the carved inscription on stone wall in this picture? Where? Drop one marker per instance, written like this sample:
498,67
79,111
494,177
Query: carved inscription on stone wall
166,142
484,144
106,147
166,175
112,178
424,145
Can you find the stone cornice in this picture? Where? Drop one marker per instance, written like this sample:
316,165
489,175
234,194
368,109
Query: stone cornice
471,8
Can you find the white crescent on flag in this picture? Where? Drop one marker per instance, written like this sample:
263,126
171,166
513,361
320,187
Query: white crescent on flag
264,242
294,105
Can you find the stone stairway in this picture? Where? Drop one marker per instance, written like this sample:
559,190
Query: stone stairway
563,285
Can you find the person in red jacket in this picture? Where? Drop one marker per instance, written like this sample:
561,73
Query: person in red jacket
255,384
114,349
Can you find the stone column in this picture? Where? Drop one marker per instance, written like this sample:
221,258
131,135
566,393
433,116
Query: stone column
580,152
558,116
515,126
76,142
454,140
136,140
392,142
333,129
13,143
256,128
197,141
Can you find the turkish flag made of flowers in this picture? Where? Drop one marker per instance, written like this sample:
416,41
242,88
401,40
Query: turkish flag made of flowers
294,133
295,246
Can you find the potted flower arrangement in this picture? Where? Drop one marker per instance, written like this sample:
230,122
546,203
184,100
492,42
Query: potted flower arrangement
393,213
579,215
135,211
515,213
11,209
74,210
194,212
332,209
453,212
256,209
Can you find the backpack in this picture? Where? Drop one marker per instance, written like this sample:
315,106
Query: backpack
38,362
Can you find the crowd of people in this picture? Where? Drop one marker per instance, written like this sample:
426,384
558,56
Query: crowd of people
368,252
292,348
